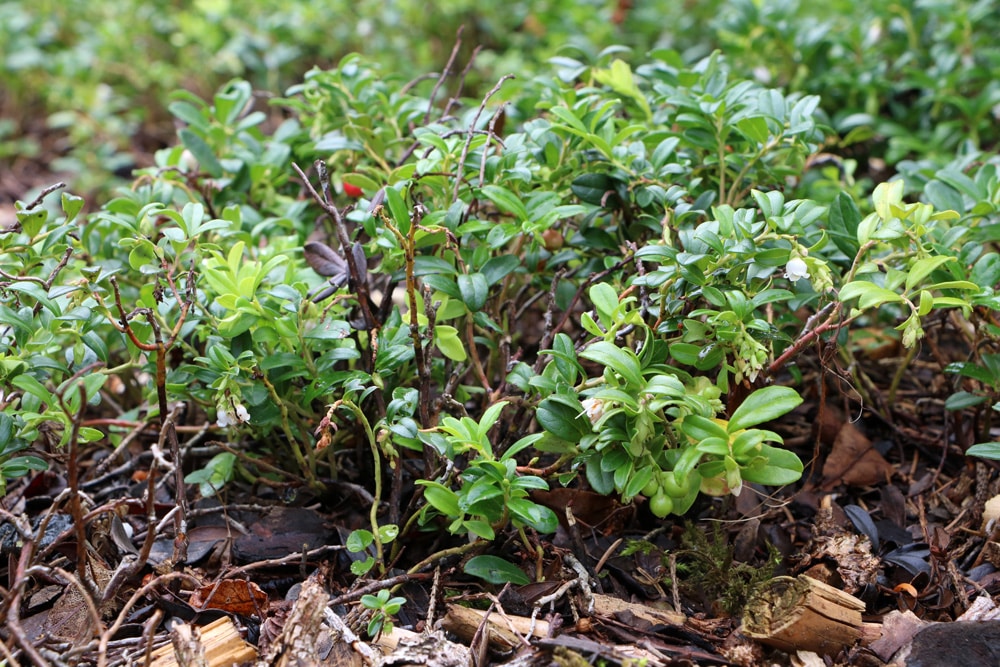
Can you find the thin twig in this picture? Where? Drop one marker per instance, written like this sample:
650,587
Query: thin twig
472,126
445,73
43,194
14,628
377,586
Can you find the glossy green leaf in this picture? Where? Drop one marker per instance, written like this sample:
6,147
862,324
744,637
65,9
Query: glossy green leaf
764,405
562,420
922,268
869,295
699,428
505,200
774,467
441,498
621,360
537,516
495,570
474,290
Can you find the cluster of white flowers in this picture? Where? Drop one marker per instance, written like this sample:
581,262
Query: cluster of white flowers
228,417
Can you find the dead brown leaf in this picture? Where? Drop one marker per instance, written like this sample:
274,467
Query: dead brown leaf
853,461
235,596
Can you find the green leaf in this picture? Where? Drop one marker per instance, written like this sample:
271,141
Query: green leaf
441,498
699,428
71,205
506,201
520,445
479,528
537,516
771,296
620,360
869,294
589,325
714,446
986,271
429,265
446,339
496,570
774,467
497,268
954,284
359,540
963,399
592,187
362,567
36,292
620,79
923,268
6,431
887,195
474,290
562,420
397,209
32,221
605,299
754,129
201,151
33,387
489,418
764,405
926,303
685,353
986,450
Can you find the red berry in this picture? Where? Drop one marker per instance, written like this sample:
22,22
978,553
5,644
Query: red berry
353,191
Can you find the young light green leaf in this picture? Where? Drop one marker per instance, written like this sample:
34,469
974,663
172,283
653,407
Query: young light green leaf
605,300
441,498
923,268
446,339
869,294
774,467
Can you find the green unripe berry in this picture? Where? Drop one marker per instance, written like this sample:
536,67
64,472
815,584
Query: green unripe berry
661,505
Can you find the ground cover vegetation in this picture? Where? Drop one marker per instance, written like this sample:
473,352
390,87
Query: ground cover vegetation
496,303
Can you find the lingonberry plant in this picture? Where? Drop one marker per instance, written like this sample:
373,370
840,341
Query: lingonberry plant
606,293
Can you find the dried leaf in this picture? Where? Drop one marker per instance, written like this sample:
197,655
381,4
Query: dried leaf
235,596
854,461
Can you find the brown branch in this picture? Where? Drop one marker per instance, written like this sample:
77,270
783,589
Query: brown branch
808,334
377,586
43,194
14,607
491,134
477,364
